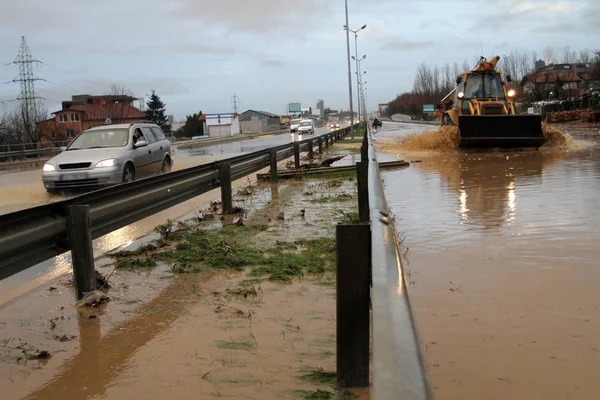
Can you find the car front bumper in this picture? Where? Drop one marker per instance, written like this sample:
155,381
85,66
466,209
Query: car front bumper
57,180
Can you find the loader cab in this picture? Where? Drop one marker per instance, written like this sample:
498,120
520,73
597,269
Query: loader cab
482,86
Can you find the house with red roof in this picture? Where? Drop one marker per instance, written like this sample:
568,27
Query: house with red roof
560,81
84,111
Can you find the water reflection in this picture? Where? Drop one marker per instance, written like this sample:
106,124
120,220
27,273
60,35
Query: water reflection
487,185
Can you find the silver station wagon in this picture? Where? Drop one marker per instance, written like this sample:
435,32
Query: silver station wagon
108,155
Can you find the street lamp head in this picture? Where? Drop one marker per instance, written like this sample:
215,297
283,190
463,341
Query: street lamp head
364,26
365,56
354,58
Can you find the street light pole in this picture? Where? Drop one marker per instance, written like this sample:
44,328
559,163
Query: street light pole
349,73
357,67
355,58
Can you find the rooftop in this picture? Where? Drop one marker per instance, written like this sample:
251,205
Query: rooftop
268,114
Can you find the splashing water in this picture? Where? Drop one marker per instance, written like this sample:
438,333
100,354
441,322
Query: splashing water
447,138
556,137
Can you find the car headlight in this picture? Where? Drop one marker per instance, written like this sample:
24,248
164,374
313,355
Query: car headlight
49,168
111,162
511,93
461,95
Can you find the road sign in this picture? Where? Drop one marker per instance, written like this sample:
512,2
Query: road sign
429,108
294,108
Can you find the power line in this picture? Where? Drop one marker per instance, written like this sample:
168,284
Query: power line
94,85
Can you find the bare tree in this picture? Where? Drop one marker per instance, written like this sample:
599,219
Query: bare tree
584,56
569,56
455,70
19,124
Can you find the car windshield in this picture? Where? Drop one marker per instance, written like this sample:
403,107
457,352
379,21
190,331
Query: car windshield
306,123
477,82
99,139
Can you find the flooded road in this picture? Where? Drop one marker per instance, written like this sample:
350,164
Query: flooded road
24,189
502,254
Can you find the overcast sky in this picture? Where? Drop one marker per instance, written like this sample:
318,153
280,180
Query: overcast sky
197,53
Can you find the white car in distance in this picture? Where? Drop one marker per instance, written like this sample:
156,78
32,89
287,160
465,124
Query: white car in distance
306,126
294,125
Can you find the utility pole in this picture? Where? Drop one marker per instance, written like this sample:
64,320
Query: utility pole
347,27
27,97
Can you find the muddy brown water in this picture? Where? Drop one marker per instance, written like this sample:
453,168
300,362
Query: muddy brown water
502,253
185,336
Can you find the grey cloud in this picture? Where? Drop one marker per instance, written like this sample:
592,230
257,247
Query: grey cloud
400,45
272,63
197,48
383,68
558,29
257,16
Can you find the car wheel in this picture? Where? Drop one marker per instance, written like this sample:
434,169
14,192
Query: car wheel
128,174
166,166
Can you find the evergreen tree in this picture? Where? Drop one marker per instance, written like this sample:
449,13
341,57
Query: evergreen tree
193,126
156,112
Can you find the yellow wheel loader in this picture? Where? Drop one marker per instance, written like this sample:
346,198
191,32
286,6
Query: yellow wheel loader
482,108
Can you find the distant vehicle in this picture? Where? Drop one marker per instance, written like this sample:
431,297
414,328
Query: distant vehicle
294,125
108,155
335,125
306,126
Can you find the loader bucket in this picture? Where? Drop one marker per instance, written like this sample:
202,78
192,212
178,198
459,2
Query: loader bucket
506,131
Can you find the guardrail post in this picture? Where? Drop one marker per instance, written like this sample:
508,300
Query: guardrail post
273,163
296,155
82,252
225,183
353,244
327,140
362,177
310,149
320,145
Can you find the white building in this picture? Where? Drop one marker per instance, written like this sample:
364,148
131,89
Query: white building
222,125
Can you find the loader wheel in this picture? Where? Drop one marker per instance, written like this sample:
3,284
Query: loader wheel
448,120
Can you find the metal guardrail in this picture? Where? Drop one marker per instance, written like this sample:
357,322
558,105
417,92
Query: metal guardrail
399,371
367,253
33,235
10,151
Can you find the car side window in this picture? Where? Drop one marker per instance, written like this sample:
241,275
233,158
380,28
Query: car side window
149,135
158,133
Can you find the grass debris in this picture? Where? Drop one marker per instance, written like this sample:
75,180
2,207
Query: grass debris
319,376
317,394
135,264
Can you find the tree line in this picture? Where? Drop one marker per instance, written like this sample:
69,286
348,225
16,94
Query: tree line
433,83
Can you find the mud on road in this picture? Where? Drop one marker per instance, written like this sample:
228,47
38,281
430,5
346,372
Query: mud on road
239,306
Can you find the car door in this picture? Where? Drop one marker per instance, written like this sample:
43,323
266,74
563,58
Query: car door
165,144
155,151
142,156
